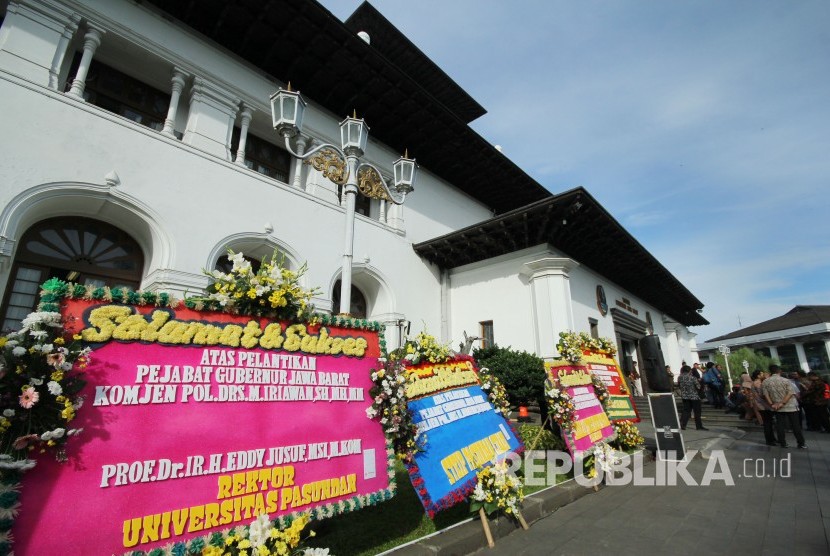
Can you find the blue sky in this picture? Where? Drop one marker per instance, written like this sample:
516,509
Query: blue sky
703,126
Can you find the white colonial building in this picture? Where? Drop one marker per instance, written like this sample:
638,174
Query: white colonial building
798,339
138,147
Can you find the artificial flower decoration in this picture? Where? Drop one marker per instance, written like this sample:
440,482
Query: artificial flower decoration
495,391
497,489
601,456
260,538
561,407
573,345
628,436
423,349
40,385
389,407
600,389
271,291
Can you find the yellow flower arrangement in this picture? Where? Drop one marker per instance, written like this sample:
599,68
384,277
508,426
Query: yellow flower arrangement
497,489
271,291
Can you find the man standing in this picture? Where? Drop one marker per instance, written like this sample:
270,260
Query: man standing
689,387
779,393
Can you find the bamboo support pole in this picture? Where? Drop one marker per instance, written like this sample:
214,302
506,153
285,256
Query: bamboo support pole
486,524
522,520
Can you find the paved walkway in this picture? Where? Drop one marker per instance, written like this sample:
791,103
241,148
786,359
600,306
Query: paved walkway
764,514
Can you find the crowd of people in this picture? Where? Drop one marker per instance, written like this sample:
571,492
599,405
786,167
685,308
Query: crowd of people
775,400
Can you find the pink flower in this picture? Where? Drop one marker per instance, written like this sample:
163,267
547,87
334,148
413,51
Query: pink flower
23,441
55,359
29,397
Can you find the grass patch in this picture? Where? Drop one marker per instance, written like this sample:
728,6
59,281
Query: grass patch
389,524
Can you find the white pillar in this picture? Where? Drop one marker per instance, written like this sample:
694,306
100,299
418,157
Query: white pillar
773,353
382,211
243,135
210,119
672,345
394,216
60,52
802,357
31,39
552,309
92,40
176,86
296,177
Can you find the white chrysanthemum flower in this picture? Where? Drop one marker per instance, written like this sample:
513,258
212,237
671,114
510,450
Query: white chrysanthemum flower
54,388
36,381
240,264
8,413
18,351
38,334
371,412
316,552
260,530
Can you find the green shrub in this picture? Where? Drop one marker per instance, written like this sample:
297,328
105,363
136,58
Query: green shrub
544,440
522,374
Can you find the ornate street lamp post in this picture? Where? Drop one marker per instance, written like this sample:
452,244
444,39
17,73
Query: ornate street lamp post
343,167
725,351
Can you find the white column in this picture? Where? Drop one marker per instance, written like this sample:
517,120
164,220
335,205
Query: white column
382,211
827,350
92,40
773,353
31,38
446,306
60,52
802,357
552,308
296,177
176,86
210,118
672,345
243,135
394,216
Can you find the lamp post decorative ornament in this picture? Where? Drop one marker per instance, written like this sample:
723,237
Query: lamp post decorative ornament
343,167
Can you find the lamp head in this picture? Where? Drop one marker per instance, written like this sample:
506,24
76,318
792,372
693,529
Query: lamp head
354,134
405,170
287,108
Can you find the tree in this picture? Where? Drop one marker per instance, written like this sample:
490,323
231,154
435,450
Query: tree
756,360
521,373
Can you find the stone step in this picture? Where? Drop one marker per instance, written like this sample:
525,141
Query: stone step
709,415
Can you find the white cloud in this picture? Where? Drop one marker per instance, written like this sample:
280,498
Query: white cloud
702,126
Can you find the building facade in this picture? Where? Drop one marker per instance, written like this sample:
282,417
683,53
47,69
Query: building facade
798,339
138,149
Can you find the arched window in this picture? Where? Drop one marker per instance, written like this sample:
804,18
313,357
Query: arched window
358,301
75,249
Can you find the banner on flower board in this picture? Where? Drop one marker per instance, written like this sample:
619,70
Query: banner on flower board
463,431
195,422
620,405
590,422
